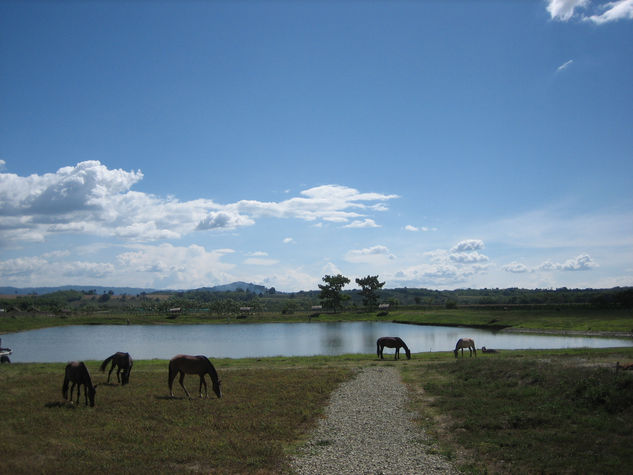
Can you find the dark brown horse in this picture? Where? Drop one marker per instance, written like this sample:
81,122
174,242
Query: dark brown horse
392,342
465,343
200,365
78,375
486,350
123,363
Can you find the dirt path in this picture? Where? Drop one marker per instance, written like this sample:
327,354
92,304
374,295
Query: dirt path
368,429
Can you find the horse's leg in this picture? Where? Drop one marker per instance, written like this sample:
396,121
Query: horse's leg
111,368
396,355
202,381
181,380
170,381
118,374
381,348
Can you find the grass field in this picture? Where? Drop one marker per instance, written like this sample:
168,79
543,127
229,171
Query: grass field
555,411
137,428
535,412
570,318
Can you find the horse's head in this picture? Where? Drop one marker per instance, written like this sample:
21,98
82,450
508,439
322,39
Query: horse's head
125,377
455,351
216,388
408,352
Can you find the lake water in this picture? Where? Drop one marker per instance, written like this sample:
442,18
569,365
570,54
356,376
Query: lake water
96,342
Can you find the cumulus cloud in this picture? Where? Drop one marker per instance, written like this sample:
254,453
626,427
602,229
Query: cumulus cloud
372,254
365,223
564,10
595,12
89,198
468,257
613,11
582,262
468,245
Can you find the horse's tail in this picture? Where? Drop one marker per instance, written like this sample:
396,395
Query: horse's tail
378,347
105,362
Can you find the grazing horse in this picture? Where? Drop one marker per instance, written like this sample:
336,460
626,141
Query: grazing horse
485,350
200,365
123,362
465,343
623,367
392,342
77,373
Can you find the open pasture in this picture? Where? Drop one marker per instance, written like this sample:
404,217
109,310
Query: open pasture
138,428
555,411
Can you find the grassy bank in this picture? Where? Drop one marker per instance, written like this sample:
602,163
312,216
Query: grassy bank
535,412
554,411
569,318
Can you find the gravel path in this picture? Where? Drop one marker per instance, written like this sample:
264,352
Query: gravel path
368,429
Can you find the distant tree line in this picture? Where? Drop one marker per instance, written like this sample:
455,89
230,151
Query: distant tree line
331,296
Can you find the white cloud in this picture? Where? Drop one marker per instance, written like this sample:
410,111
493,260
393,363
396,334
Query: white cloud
366,223
2,164
613,11
372,254
564,66
582,262
468,257
411,228
605,12
468,245
288,240
89,198
563,10
516,268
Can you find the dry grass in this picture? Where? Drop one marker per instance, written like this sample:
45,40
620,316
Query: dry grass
139,429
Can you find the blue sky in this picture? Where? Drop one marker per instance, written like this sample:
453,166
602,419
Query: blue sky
435,144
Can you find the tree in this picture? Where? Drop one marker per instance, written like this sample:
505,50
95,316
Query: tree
369,287
331,292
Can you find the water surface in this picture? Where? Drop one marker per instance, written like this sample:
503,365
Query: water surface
96,342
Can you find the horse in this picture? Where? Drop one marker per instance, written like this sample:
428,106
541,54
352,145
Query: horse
623,367
392,342
485,350
465,343
77,373
123,362
200,365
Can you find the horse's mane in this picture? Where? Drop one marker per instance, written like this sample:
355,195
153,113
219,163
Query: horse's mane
400,340
212,370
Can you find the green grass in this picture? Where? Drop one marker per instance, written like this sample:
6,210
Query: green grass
530,412
564,318
139,429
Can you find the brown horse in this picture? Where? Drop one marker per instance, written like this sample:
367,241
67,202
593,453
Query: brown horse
123,363
392,342
77,373
200,365
623,367
465,343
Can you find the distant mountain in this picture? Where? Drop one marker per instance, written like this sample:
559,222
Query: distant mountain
256,289
126,290
82,288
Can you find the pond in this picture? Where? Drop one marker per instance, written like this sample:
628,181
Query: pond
96,342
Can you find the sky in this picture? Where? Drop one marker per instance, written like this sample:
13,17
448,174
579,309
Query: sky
436,144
